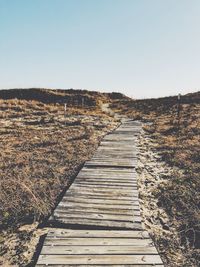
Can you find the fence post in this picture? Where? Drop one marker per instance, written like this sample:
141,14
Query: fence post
65,112
179,102
65,109
178,111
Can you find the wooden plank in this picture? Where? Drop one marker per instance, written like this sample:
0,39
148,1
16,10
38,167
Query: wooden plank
90,215
111,163
107,180
116,150
116,156
98,250
103,192
103,164
114,160
132,181
56,232
106,169
120,137
108,177
105,183
97,206
101,196
104,265
122,145
105,195
83,217
112,196
102,211
101,241
100,205
94,200
100,259
123,189
110,172
97,215
97,223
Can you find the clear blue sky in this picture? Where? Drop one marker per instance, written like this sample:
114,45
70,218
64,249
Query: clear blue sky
143,48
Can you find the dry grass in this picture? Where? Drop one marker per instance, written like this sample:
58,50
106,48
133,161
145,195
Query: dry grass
41,151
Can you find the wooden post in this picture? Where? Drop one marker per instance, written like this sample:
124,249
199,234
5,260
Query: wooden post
65,109
178,111
179,105
65,112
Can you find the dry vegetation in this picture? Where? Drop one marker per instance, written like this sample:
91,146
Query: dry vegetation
176,140
41,151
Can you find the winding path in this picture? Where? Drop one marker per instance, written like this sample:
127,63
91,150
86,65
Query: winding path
98,222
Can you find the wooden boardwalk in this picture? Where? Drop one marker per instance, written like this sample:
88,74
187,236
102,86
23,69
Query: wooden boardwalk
98,222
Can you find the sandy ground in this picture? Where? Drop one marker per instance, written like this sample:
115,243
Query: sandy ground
19,245
153,176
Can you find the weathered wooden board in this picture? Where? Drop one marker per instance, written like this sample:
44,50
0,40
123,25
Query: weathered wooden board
107,180
109,170
102,216
103,196
99,205
106,183
100,241
102,208
64,233
101,200
100,259
100,211
90,250
103,192
118,189
104,265
108,224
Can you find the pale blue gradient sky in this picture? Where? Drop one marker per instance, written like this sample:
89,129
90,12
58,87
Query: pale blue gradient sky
143,48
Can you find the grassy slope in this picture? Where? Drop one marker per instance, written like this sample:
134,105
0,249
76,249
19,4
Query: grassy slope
178,144
40,152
